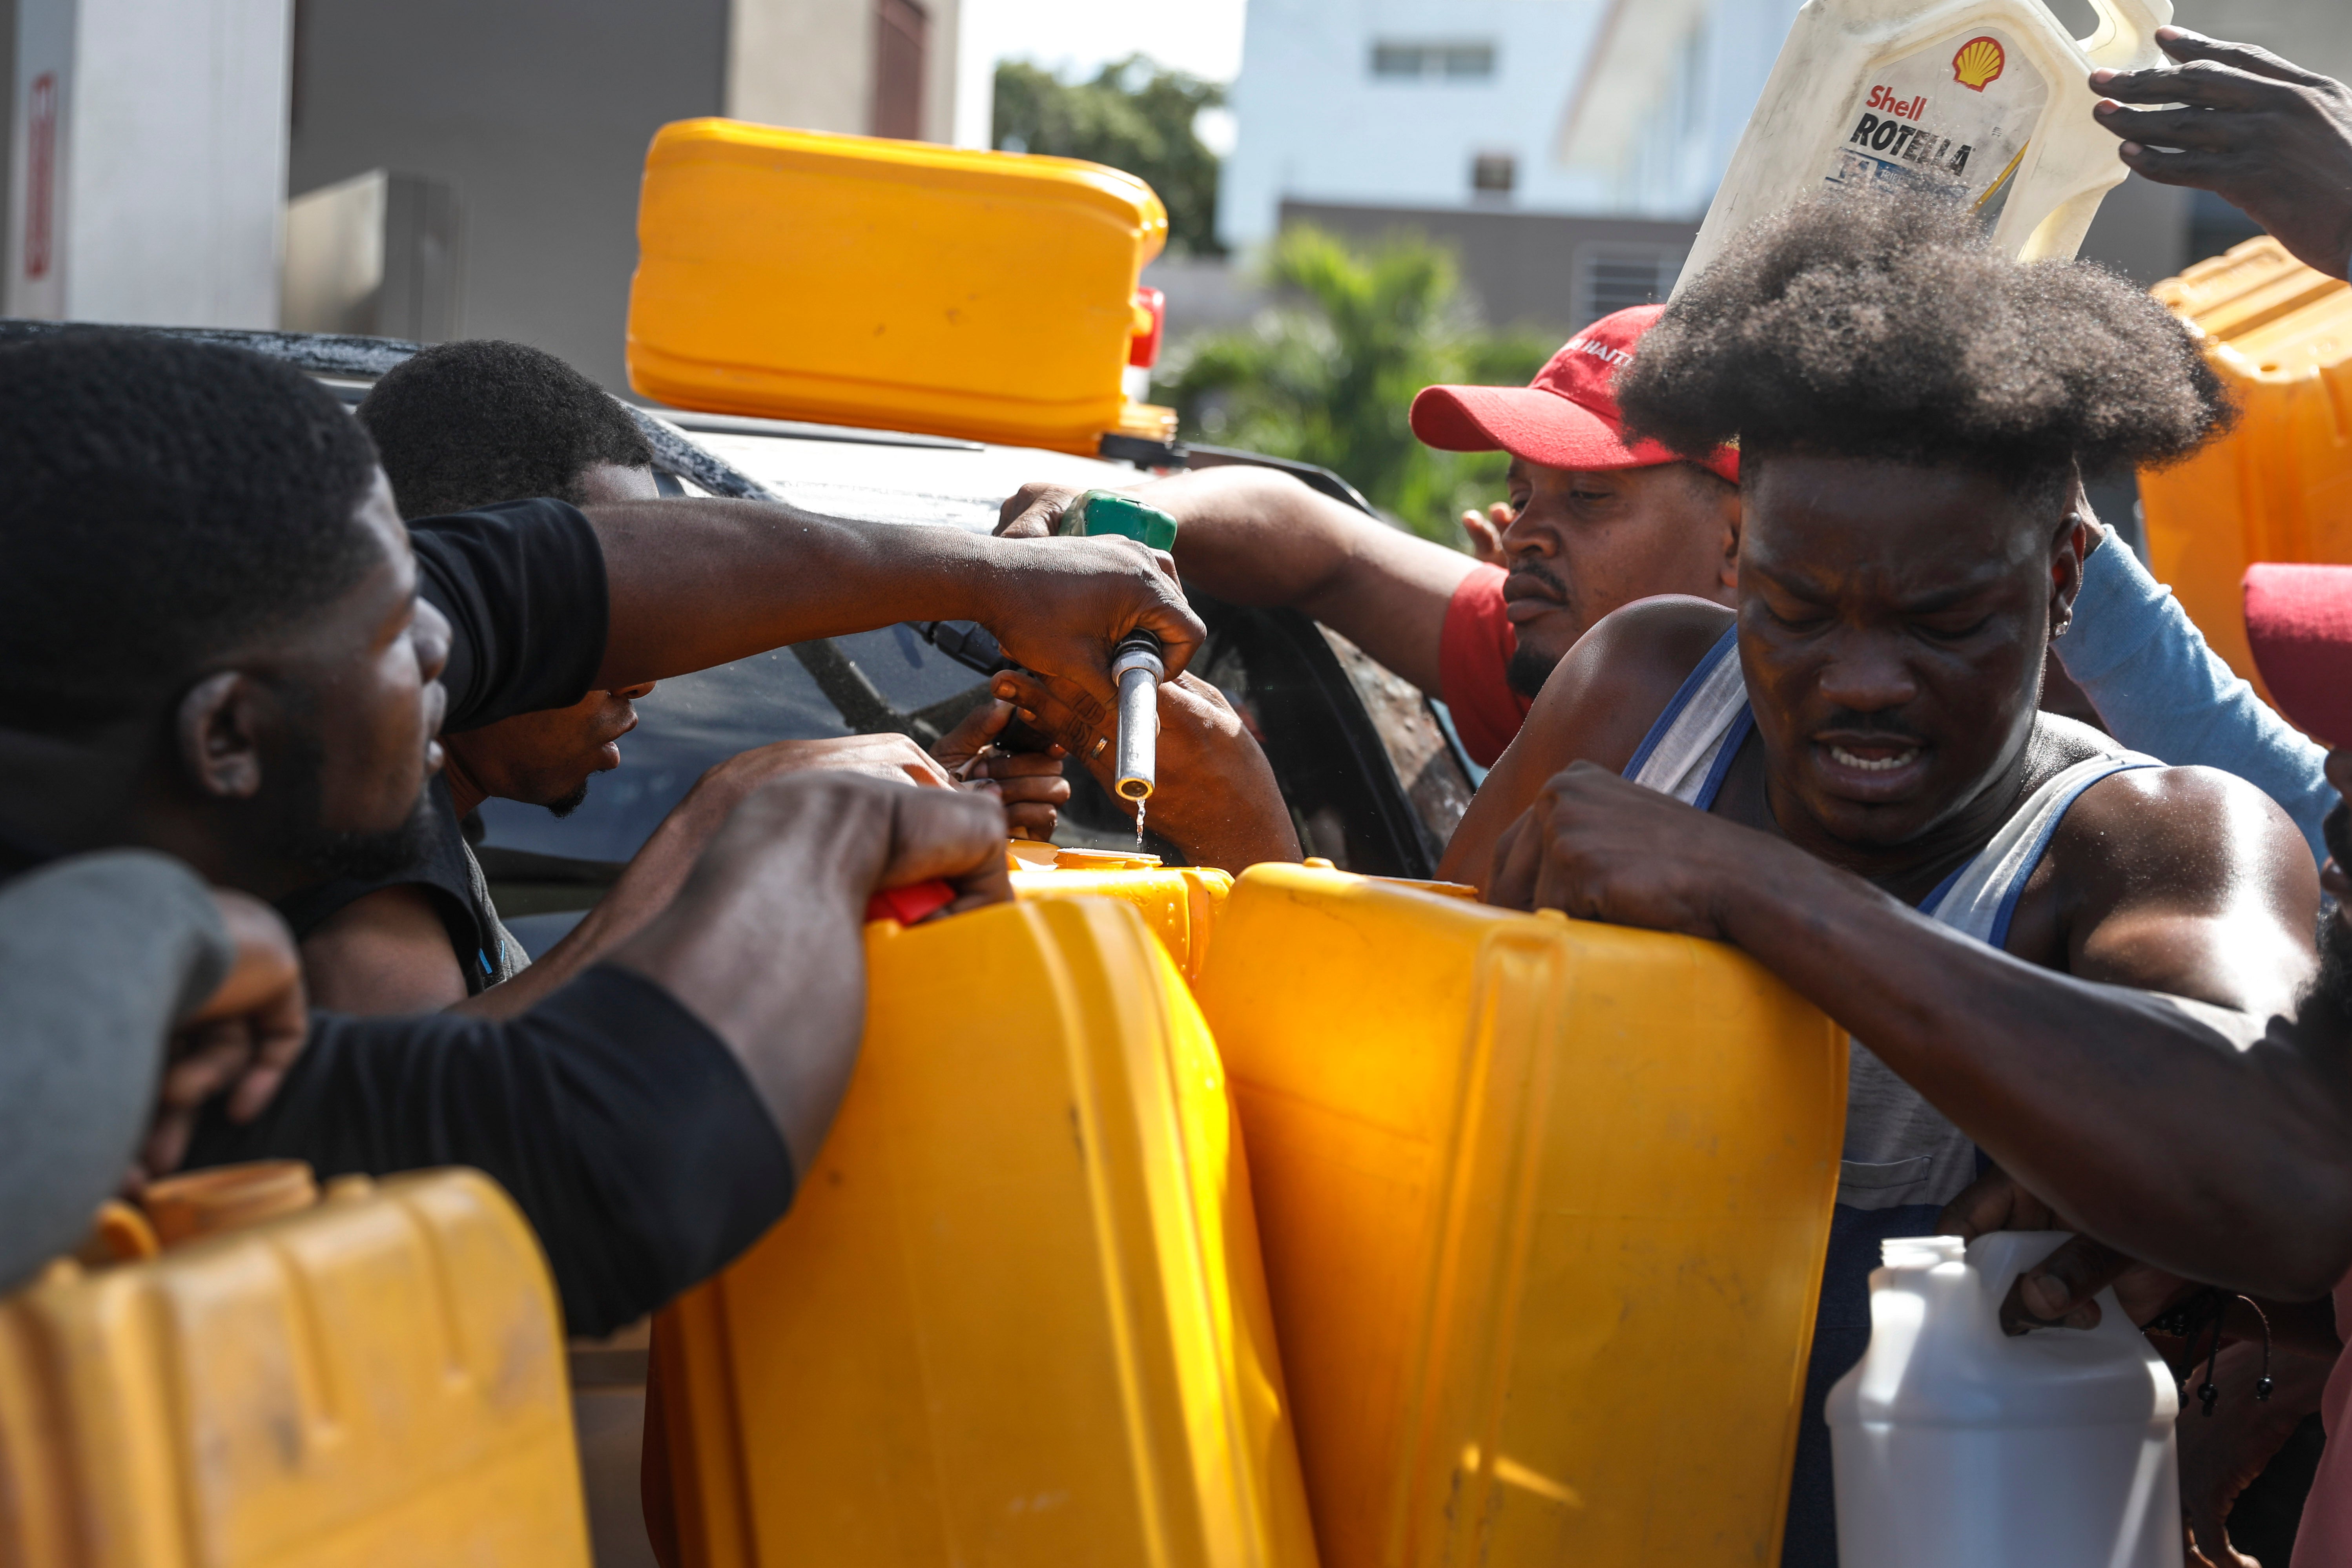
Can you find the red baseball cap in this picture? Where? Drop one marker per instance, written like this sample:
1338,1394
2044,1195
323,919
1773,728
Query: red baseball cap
1565,418
2299,619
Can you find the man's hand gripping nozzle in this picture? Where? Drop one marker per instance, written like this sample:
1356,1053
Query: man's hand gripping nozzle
1137,665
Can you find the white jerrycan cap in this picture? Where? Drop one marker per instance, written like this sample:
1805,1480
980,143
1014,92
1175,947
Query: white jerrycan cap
1938,1356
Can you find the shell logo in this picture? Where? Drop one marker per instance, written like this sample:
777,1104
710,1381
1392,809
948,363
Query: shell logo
1979,63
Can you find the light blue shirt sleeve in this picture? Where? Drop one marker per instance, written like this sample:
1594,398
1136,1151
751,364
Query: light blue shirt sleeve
2159,690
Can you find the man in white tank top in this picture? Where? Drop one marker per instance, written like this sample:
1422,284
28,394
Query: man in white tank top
1882,817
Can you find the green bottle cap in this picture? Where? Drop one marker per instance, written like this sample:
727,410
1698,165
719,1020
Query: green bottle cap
1108,512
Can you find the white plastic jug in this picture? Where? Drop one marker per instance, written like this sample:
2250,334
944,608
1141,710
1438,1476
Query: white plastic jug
1992,91
1957,1446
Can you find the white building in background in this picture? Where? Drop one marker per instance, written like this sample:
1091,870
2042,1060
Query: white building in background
1597,107
1417,103
1662,100
1565,148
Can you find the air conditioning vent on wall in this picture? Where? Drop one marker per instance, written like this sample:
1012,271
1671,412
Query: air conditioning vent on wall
1616,277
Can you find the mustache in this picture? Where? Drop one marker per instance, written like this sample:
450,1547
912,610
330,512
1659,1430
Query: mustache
1870,728
1530,567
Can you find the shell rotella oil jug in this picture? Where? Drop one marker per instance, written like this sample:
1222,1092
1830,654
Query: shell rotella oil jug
1992,93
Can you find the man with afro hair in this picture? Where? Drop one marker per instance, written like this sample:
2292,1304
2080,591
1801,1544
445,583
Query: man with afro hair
1846,774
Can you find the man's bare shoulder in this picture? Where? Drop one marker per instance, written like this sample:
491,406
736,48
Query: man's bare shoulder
1597,706
2195,825
385,951
1604,696
2188,881
2152,819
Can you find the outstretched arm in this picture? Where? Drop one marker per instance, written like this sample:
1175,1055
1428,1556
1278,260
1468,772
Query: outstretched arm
2198,1129
1257,536
697,583
766,942
661,865
651,1119
2267,136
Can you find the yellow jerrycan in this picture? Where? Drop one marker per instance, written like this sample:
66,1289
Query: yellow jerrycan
2278,486
1179,903
896,285
1991,92
376,1379
1016,1318
1544,1205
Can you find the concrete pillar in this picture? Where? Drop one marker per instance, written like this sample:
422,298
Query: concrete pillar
147,149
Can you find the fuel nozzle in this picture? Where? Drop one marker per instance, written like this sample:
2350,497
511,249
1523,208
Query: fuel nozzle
1135,666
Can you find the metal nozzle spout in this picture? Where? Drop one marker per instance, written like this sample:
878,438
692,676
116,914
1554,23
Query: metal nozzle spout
1138,669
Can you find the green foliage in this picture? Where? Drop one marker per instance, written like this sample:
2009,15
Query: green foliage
1329,378
1133,116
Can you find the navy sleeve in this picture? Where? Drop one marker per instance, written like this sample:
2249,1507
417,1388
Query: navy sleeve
624,1130
523,586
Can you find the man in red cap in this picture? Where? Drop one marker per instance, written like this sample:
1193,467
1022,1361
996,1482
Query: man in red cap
1594,523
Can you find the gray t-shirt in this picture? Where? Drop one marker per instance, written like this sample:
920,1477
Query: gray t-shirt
99,957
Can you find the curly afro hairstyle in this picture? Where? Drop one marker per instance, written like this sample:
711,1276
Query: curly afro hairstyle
471,423
1883,323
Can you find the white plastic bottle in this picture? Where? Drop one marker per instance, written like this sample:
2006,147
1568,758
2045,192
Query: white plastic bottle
1957,1446
1992,91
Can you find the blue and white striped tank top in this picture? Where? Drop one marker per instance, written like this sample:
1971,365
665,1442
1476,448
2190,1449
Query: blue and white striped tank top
1899,1150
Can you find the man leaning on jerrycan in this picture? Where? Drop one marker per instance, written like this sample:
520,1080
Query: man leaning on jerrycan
2230,1165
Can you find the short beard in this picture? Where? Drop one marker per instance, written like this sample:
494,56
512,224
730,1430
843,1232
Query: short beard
2327,1005
1528,670
569,803
341,852
2326,1009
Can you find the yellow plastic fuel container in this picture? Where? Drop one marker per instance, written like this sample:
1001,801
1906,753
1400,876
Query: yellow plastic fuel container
378,1378
893,285
2278,486
1015,1315
1992,93
1544,1205
1179,903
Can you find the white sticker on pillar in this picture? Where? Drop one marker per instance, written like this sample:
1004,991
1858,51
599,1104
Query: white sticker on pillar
1965,105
